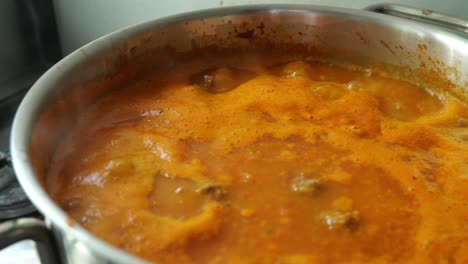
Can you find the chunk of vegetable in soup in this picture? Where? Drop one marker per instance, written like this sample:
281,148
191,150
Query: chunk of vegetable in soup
255,159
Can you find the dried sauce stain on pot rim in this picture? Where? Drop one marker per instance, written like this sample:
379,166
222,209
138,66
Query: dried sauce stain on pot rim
314,47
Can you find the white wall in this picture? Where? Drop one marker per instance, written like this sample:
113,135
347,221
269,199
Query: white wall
81,21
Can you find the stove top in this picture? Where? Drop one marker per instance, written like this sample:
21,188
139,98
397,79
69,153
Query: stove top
13,201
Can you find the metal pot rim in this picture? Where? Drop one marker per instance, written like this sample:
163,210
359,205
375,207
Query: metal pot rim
29,108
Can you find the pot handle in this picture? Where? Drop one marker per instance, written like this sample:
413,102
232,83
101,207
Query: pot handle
426,16
30,228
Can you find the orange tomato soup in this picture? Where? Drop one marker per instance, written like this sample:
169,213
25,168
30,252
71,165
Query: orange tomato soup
252,159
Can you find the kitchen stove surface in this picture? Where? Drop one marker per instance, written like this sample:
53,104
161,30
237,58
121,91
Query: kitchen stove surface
13,201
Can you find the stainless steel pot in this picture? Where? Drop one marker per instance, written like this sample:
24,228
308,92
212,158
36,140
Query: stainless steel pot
354,36
82,21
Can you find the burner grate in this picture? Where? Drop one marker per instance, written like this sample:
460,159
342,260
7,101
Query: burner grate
13,200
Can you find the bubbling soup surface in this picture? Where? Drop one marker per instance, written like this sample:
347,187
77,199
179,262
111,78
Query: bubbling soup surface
269,159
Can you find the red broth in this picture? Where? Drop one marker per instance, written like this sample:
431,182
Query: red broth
264,161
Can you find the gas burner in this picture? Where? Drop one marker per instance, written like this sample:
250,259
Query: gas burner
13,200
